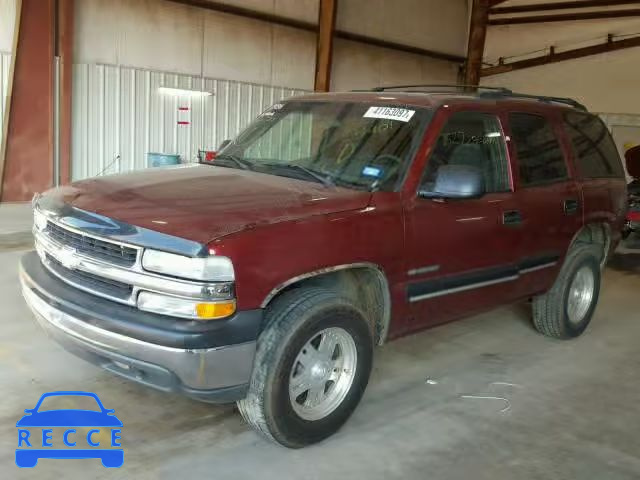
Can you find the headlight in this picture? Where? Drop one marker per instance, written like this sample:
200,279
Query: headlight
39,219
218,269
184,307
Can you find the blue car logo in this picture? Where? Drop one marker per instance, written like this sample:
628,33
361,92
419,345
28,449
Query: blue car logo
77,427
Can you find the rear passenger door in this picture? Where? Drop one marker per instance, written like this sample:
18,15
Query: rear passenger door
548,197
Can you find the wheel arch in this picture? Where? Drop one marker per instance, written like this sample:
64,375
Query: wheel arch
364,283
596,233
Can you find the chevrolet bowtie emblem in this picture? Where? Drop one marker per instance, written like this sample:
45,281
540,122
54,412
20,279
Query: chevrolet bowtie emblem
68,257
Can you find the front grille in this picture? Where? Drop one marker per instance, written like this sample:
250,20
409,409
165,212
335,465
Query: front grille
93,247
99,285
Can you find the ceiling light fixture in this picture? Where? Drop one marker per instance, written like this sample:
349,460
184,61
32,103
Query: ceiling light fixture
181,92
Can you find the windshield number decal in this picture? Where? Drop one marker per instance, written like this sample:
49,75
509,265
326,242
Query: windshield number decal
390,113
369,171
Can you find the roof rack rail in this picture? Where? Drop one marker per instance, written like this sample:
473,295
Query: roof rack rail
438,88
544,98
480,90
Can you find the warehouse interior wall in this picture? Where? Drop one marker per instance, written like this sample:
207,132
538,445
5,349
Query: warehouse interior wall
126,49
165,36
604,83
7,28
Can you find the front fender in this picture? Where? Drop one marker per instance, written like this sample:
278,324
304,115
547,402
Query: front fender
271,257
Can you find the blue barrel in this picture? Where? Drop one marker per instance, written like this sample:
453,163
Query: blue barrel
162,159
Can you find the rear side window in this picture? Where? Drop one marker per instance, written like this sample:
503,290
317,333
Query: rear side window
540,157
595,152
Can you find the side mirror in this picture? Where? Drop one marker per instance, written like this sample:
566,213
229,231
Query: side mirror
455,182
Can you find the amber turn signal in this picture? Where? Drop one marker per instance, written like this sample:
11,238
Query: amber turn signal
212,311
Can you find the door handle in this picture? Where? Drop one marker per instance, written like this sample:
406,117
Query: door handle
571,206
512,218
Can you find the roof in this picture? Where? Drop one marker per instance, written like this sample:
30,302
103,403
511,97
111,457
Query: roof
433,96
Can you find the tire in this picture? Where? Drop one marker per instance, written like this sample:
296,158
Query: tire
552,310
296,318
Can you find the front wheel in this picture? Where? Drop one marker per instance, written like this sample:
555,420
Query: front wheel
312,366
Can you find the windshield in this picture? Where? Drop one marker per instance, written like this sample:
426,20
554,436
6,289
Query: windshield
69,402
356,145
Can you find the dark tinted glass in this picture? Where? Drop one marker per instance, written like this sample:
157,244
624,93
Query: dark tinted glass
472,139
540,157
595,152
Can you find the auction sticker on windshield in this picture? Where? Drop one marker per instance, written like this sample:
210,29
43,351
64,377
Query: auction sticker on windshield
390,113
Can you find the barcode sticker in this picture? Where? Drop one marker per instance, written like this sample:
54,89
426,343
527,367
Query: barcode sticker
390,113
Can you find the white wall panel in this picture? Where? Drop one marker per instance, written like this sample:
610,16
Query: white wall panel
604,83
126,49
159,35
7,27
166,36
358,66
119,116
7,20
5,67
434,24
306,10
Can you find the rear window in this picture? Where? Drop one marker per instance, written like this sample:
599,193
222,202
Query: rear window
540,158
594,149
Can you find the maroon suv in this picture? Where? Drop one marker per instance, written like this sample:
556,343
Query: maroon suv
333,223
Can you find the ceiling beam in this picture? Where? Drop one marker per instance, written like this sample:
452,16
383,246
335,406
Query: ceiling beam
566,17
312,27
544,7
324,44
477,37
555,57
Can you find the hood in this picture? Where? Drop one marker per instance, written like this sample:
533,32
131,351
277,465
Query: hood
203,203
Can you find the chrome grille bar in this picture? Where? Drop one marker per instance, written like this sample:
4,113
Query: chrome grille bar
111,252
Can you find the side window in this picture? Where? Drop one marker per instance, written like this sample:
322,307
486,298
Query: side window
540,157
473,139
595,152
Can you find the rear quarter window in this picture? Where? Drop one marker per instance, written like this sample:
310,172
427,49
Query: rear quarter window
594,150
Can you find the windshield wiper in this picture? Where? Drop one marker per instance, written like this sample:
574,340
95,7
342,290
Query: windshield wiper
357,185
240,162
324,179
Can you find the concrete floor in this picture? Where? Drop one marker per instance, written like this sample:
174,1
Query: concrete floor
574,406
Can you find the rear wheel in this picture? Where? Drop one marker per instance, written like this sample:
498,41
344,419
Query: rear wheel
566,309
312,366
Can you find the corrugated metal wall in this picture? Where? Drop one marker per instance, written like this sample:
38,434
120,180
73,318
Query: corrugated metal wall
119,116
5,66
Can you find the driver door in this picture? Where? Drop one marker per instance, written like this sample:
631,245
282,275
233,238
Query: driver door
462,254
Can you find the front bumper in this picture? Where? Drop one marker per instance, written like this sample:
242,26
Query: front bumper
210,361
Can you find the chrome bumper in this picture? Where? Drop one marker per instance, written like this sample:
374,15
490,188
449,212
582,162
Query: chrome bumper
199,373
